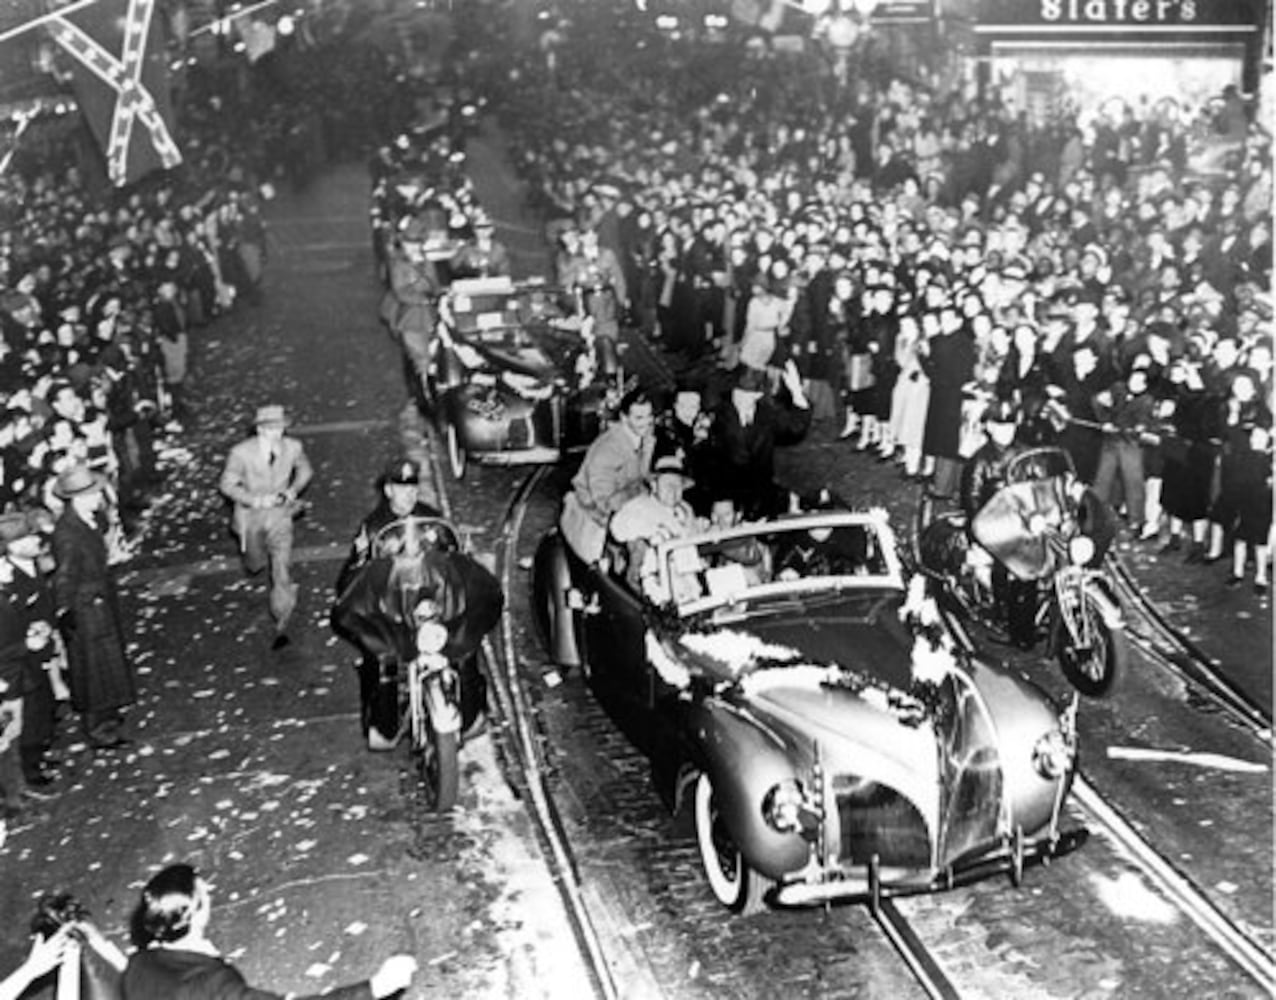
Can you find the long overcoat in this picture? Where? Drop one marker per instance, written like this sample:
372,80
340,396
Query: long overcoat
99,673
949,365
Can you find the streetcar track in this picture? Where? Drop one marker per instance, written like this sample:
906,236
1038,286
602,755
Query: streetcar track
1193,665
524,754
921,962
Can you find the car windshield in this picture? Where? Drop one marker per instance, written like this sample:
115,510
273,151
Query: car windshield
484,304
777,561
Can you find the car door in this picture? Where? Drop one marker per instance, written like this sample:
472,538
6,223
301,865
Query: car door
614,629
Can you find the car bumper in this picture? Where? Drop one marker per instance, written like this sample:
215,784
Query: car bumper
852,886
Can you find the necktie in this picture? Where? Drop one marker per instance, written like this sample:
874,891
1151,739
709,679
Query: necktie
273,457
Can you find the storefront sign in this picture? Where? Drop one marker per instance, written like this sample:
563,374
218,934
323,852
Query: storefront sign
1122,15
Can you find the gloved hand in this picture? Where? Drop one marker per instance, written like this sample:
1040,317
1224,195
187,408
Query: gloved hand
395,974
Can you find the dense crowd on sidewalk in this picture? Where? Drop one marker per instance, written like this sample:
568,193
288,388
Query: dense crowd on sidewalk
921,254
101,293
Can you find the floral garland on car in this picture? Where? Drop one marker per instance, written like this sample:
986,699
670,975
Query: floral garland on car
756,666
935,654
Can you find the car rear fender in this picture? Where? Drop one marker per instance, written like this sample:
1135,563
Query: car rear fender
745,759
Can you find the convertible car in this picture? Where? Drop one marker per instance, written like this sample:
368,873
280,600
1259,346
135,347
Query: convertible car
834,741
516,377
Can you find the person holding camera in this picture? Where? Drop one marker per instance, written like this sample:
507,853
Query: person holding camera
65,941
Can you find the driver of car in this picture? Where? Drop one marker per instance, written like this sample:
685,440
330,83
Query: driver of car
984,474
824,551
485,257
748,553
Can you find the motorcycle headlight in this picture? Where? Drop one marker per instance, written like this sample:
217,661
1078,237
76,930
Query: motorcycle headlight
783,806
1081,550
430,637
1053,754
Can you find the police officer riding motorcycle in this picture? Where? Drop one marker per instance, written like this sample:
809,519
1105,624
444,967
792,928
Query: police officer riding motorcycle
1025,554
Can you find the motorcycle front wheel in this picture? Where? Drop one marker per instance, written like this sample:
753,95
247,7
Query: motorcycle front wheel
1092,655
435,753
440,769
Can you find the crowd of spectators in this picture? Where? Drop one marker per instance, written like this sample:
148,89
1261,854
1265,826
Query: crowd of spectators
920,254
102,290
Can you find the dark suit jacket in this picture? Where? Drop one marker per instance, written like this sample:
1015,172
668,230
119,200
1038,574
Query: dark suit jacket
173,974
743,458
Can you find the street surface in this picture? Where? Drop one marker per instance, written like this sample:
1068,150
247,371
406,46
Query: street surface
250,764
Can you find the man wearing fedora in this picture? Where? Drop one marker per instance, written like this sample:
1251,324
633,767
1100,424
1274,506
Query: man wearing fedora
263,477
747,427
99,674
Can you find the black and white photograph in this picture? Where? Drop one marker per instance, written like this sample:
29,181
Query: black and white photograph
637,499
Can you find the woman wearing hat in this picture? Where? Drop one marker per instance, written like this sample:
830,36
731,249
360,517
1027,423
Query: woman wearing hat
99,673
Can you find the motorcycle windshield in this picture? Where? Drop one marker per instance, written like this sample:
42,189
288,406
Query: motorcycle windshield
1002,525
972,779
412,534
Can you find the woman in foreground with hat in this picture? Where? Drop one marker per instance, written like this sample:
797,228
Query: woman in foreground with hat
99,673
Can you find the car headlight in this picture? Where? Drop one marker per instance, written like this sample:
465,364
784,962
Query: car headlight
1053,754
1080,550
784,805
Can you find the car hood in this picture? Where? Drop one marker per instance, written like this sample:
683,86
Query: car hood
535,349
838,680
860,632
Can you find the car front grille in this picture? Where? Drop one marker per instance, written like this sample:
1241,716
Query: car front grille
519,433
877,820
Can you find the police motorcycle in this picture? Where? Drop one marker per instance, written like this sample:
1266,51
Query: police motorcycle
1038,528
422,605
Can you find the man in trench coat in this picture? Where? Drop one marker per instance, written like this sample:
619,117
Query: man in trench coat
99,674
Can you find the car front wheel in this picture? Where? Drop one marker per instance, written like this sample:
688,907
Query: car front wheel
735,885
